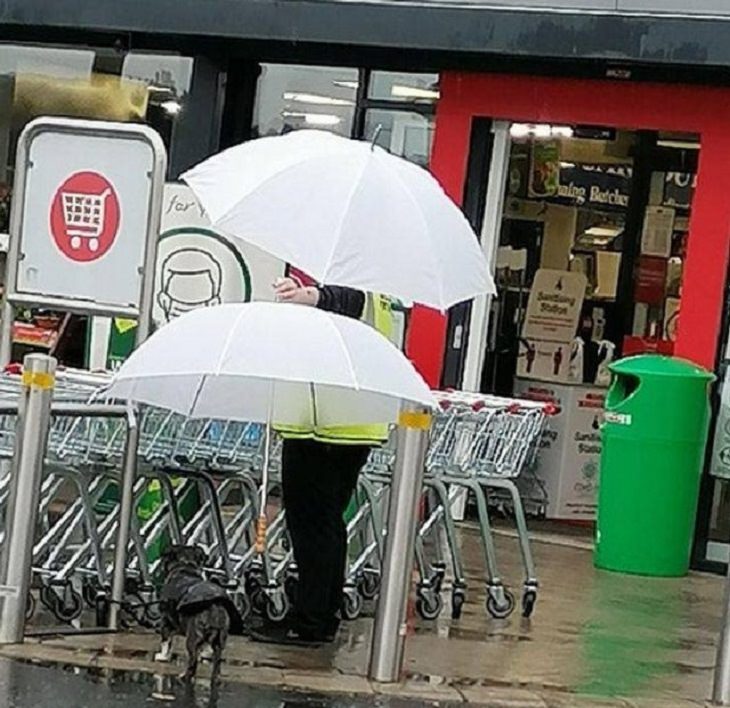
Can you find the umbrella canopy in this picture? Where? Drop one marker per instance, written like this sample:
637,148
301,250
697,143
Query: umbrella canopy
346,212
271,362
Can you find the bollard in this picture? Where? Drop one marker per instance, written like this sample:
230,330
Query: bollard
126,508
31,437
721,684
389,633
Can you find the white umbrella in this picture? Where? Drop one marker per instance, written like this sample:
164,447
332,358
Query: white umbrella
269,362
347,213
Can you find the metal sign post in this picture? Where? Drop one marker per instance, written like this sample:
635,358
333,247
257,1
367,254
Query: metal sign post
34,413
84,230
389,634
126,509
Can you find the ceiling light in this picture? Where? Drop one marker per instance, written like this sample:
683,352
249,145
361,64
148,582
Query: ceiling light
678,144
398,91
320,119
171,107
347,84
562,131
316,99
519,130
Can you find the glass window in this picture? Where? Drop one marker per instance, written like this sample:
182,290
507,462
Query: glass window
293,97
99,84
403,88
403,133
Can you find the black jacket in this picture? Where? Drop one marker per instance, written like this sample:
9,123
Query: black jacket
186,592
342,301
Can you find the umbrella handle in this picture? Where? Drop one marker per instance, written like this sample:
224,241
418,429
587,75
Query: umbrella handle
261,524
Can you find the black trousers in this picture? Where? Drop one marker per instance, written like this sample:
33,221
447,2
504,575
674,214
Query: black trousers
318,481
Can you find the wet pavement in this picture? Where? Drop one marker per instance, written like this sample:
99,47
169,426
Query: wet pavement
24,685
596,638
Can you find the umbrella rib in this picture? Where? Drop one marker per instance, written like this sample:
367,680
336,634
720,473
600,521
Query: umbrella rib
348,201
227,343
196,397
346,352
417,208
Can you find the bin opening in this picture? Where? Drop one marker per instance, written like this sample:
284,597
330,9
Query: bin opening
622,388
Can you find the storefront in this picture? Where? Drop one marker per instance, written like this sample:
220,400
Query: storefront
636,207
586,141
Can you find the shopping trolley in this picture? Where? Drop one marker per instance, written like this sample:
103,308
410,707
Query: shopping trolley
486,443
84,216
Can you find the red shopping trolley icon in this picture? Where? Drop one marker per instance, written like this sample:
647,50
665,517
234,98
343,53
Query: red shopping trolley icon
85,216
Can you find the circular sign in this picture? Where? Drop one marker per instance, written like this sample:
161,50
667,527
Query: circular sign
85,216
197,267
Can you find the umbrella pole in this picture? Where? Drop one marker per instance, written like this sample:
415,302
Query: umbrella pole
262,523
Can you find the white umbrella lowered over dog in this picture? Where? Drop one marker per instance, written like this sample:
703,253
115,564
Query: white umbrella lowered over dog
271,363
347,213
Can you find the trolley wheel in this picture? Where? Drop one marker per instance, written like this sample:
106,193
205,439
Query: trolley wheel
429,605
69,606
30,606
368,585
90,593
277,607
351,605
48,597
252,584
437,578
500,608
458,598
291,588
529,598
259,601
152,614
102,610
243,604
132,611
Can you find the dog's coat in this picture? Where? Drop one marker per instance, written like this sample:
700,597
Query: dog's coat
196,608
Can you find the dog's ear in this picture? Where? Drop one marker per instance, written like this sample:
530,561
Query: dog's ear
201,557
168,557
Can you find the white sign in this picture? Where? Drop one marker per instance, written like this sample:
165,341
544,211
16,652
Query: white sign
551,321
198,266
656,235
87,209
554,306
570,448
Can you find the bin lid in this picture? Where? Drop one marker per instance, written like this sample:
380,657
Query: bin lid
655,365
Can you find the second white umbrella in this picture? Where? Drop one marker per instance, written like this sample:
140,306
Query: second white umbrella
263,362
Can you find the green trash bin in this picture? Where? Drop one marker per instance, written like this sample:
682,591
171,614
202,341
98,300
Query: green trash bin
654,435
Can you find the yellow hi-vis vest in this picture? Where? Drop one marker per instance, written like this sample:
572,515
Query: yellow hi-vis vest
377,313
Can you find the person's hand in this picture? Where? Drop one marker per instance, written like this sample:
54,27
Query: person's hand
288,290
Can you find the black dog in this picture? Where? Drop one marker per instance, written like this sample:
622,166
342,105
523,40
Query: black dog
194,607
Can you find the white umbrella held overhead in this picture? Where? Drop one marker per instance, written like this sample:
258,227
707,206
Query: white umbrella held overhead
267,362
347,213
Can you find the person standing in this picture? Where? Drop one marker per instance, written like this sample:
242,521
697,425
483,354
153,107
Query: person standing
320,467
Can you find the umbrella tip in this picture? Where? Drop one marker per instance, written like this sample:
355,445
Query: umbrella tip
376,135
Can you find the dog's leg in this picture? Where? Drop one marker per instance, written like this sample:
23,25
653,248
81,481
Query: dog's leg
192,644
165,653
218,644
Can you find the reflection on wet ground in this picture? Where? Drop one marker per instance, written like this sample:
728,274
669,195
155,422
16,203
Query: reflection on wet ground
28,686
593,633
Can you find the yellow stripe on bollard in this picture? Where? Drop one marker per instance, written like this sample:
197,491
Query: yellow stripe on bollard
411,419
38,380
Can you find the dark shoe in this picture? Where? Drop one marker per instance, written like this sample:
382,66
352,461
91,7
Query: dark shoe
289,635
